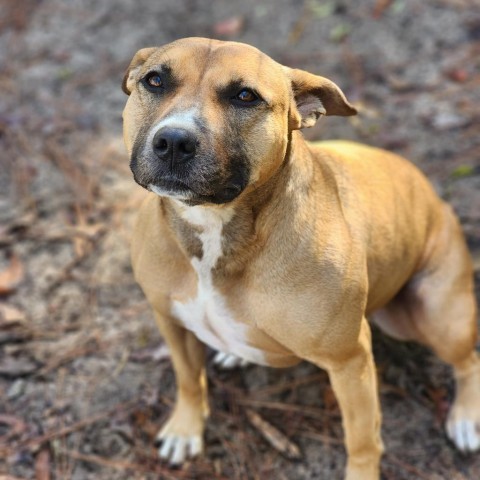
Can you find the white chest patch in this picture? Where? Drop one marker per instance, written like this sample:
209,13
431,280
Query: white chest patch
207,315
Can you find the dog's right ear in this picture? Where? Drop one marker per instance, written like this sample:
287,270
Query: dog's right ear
130,75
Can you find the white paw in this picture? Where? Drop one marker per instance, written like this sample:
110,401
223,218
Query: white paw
465,434
228,361
176,449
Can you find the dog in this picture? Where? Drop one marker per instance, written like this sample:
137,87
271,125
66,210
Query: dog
273,250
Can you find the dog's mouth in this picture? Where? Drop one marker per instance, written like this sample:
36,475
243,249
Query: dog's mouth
170,187
178,189
173,185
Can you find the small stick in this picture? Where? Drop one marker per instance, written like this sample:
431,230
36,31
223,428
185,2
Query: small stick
274,437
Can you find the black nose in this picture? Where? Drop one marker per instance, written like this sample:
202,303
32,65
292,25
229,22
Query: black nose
174,145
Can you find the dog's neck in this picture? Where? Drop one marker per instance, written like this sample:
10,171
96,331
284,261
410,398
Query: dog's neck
231,229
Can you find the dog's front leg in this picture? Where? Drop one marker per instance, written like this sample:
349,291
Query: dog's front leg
182,435
355,385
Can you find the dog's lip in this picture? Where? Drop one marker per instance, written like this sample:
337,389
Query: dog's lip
172,184
175,187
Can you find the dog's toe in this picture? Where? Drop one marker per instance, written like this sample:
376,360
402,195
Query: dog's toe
465,434
195,446
227,361
166,447
179,453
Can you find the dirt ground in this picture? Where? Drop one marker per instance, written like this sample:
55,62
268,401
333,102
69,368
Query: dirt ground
85,380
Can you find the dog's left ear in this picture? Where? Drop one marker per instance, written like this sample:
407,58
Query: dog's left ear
314,96
137,61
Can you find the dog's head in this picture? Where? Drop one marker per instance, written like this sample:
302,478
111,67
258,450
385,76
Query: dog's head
205,119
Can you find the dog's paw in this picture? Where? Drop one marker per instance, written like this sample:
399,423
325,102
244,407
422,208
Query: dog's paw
175,449
464,433
463,423
181,437
227,361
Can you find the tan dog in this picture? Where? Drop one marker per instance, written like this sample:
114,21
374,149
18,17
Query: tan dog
274,250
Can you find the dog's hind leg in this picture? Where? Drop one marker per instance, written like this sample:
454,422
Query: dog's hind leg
438,309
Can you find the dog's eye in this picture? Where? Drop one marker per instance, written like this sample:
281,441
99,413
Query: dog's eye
246,96
153,80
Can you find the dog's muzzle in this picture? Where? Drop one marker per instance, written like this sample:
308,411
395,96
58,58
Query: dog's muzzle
176,163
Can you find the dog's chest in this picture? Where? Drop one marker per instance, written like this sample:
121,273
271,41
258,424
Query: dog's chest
207,314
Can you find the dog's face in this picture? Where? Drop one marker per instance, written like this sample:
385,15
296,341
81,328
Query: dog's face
206,119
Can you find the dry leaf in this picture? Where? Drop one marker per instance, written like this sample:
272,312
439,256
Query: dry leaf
9,314
229,27
459,75
380,7
274,437
11,276
13,327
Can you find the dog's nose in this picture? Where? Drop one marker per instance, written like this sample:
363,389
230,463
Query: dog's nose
174,145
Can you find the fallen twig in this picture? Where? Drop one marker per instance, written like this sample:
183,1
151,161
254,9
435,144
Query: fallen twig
42,465
278,440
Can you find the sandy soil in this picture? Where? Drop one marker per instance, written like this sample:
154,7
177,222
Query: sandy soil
85,380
